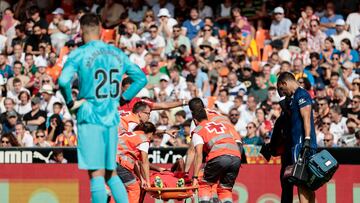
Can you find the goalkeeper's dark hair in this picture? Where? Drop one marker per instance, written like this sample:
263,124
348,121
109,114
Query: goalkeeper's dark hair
146,127
285,77
89,20
199,115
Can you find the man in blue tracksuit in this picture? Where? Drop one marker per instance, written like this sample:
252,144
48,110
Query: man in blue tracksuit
99,68
302,133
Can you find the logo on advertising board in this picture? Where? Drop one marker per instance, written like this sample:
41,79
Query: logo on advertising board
24,157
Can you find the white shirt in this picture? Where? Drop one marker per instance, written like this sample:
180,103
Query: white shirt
27,140
15,96
338,37
144,147
170,24
352,77
23,109
197,139
12,59
214,41
139,59
353,20
129,42
246,115
137,16
157,42
206,12
224,107
48,106
2,42
240,127
338,129
67,23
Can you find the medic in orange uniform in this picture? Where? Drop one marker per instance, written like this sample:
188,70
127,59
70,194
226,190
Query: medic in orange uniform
130,119
222,160
133,153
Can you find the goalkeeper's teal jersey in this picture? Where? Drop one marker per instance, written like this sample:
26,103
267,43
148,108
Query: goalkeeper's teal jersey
100,68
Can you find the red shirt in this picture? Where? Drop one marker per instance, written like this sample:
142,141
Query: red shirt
129,106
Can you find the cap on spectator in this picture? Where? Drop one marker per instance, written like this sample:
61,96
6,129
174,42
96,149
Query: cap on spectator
2,80
219,58
47,89
140,43
35,100
206,44
339,22
224,71
164,12
154,64
165,77
11,114
41,62
279,10
348,64
58,11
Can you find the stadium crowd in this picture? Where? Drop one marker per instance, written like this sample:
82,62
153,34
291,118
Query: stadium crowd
229,54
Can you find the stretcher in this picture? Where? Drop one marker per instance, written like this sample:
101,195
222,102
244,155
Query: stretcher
174,193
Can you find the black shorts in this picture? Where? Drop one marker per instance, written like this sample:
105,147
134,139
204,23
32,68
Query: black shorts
224,169
125,175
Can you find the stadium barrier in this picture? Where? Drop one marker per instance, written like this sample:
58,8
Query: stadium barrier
25,177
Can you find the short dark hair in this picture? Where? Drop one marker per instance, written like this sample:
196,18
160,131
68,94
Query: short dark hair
286,76
16,80
17,62
181,113
90,20
200,115
20,27
139,106
335,74
314,55
33,10
224,90
260,74
196,104
190,78
126,81
336,109
153,26
177,26
147,127
58,104
303,40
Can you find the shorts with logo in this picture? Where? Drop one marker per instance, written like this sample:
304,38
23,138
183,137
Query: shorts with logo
97,146
224,169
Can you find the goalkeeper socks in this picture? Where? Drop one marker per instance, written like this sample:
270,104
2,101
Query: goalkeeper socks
118,189
98,191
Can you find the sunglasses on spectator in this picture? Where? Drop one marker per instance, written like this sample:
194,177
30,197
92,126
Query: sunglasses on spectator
354,101
356,83
293,28
234,114
5,141
176,30
46,81
327,140
335,58
40,136
322,104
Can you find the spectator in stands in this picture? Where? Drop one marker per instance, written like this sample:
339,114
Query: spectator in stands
178,81
347,52
24,137
8,140
129,39
329,140
49,99
11,121
354,111
111,13
280,26
8,24
136,11
155,42
341,34
348,76
223,103
165,86
323,127
192,26
56,127
248,113
353,22
68,137
315,37
17,74
206,37
235,86
329,20
357,135
148,20
328,50
34,40
264,125
59,29
176,40
9,106
260,90
5,70
315,70
180,117
36,118
338,126
24,105
201,78
41,139
251,137
240,125
166,23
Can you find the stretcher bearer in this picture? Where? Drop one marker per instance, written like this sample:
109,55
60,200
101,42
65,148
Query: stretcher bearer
222,160
99,68
133,151
139,114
